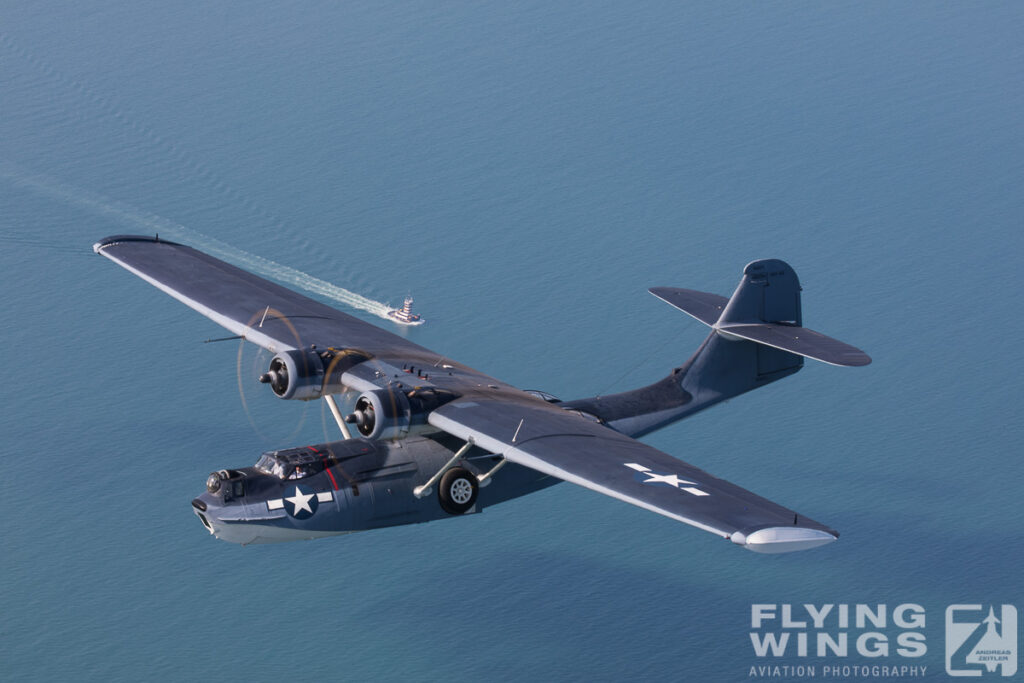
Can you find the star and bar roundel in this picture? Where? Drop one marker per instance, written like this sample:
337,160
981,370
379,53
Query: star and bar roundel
645,475
299,503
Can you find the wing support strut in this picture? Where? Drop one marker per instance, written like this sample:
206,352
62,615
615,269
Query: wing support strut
421,491
337,416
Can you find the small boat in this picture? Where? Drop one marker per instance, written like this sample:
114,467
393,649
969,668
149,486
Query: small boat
404,315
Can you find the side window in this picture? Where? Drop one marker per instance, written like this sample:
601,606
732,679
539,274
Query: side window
302,471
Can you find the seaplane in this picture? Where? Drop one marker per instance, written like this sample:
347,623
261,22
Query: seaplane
425,438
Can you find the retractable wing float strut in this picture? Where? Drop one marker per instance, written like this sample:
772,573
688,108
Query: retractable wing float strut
421,491
482,480
485,479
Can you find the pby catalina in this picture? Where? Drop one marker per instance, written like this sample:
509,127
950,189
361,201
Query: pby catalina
428,438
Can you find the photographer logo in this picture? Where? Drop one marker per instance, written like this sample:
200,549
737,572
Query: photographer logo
981,640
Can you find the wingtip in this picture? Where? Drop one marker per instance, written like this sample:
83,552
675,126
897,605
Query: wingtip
116,239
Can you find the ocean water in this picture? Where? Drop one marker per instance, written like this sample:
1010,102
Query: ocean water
525,171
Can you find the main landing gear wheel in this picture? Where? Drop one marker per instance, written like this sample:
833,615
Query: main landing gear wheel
458,490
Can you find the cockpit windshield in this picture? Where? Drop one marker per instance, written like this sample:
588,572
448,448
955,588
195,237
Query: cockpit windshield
294,463
269,464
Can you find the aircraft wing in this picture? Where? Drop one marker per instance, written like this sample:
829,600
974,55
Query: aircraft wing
265,313
572,447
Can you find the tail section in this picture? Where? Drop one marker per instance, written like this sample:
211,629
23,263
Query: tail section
757,337
765,309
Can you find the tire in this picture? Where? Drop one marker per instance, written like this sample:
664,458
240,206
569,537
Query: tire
458,491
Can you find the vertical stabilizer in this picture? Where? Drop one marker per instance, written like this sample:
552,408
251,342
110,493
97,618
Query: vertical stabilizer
757,337
768,293
728,363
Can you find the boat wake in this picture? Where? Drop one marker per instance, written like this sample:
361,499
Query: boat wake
136,218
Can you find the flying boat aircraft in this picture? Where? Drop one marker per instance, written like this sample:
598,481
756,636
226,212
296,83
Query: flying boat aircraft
429,438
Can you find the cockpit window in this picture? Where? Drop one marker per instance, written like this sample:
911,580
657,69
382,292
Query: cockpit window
298,472
294,463
268,464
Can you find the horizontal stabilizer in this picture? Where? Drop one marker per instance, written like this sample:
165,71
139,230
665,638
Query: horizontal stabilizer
765,309
799,340
705,307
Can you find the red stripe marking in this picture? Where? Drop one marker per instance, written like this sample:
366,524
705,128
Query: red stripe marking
327,469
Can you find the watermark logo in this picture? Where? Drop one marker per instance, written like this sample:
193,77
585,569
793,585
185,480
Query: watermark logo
981,640
837,630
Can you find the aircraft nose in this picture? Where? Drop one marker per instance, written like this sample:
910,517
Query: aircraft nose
218,519
201,508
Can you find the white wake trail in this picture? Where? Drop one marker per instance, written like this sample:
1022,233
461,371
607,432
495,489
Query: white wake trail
137,218
279,272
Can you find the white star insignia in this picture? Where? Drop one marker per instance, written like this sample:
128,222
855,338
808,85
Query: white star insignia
300,501
671,479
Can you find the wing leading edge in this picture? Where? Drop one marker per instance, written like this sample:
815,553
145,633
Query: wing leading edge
564,444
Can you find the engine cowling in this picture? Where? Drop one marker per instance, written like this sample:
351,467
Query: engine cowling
306,374
392,413
382,414
296,375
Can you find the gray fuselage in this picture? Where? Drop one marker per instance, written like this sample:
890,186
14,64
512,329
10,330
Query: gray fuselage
363,484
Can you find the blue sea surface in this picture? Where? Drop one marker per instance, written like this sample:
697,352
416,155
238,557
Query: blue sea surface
525,170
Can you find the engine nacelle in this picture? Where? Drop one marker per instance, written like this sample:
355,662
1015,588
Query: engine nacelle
393,414
306,374
296,375
382,414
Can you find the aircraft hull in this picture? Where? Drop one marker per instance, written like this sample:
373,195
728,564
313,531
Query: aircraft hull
365,490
